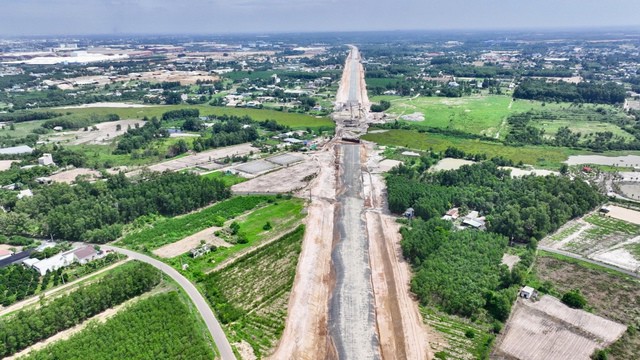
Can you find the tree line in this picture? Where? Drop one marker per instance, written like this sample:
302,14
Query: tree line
96,211
587,92
27,327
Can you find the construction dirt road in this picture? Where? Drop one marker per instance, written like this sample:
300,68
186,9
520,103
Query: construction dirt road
351,297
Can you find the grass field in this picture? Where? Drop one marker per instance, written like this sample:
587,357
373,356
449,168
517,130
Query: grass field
296,121
541,156
21,129
227,179
486,115
609,224
474,114
166,231
282,214
250,296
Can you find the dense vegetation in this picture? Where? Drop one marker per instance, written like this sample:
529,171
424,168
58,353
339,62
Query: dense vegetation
589,92
27,327
459,271
16,283
95,211
170,230
256,311
161,327
454,269
138,137
519,208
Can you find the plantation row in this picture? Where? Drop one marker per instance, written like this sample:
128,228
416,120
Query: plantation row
18,282
171,230
161,327
28,327
256,311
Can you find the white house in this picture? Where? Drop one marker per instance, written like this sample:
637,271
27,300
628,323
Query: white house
46,160
527,292
54,263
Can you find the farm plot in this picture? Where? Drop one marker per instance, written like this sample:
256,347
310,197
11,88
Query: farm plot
257,167
608,293
599,237
548,329
6,164
255,311
456,338
103,135
268,220
183,246
164,326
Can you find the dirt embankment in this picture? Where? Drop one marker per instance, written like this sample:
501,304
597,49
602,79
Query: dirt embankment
402,332
305,333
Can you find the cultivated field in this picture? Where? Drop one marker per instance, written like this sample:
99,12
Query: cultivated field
608,293
183,246
610,239
294,120
255,312
548,329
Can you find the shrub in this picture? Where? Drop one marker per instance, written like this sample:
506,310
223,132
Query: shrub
574,299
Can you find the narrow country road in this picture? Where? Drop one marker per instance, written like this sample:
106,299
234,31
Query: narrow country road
226,353
578,257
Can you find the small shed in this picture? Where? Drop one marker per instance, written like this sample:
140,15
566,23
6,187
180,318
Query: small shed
527,292
409,213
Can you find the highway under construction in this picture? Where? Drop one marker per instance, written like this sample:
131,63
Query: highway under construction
351,297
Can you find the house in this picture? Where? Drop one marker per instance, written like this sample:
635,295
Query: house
474,220
58,128
46,160
527,292
54,263
201,250
409,213
15,258
452,214
293,141
85,254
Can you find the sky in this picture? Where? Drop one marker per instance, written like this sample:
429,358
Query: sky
80,17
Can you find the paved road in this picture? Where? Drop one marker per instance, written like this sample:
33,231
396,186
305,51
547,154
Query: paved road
578,257
201,304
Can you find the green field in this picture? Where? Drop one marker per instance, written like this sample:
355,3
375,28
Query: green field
166,231
484,115
165,326
227,179
541,156
250,296
610,224
296,121
282,214
487,115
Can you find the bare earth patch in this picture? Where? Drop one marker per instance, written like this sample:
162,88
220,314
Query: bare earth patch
510,260
6,164
450,164
70,176
286,180
203,158
548,329
627,215
106,132
182,246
